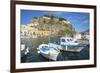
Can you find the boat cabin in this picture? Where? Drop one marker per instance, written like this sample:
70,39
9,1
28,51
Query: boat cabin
66,42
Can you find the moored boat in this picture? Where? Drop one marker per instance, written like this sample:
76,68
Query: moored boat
49,51
70,44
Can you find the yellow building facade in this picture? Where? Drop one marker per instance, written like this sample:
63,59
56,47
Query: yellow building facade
27,31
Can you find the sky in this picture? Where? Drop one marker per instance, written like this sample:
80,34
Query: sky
79,20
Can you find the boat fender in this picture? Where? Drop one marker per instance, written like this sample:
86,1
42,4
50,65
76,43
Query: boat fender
38,52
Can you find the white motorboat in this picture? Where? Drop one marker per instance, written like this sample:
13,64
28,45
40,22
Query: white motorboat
66,42
49,51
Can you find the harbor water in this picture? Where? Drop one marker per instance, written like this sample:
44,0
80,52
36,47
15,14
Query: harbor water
34,56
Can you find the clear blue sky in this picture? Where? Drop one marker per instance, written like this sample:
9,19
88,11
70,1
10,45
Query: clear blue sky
80,21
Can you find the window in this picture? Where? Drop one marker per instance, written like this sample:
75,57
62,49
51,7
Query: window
63,40
68,40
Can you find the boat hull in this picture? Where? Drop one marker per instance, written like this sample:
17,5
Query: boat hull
50,56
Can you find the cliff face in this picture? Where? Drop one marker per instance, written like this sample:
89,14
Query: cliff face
57,26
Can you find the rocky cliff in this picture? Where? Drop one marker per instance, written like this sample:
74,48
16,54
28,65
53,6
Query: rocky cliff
57,25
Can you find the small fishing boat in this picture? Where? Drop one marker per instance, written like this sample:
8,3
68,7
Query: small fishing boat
49,51
69,44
